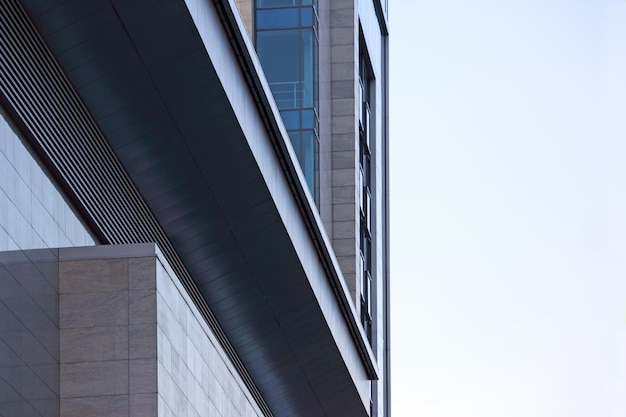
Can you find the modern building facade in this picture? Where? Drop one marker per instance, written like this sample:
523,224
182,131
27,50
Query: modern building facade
194,208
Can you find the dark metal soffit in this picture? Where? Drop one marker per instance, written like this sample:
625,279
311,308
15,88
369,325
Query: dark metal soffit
140,98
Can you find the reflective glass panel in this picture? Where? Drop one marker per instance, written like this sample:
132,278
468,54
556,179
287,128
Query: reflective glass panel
276,3
306,14
278,53
308,119
291,119
277,18
308,67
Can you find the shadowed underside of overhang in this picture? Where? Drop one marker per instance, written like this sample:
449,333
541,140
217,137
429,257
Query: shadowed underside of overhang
146,78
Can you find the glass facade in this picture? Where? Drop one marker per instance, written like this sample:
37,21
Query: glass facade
287,46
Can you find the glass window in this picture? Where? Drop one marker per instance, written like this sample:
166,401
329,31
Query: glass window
305,144
276,3
366,248
365,162
308,68
277,18
306,15
308,119
287,44
291,119
309,158
278,53
365,72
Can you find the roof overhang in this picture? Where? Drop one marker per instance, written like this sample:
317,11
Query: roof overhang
178,93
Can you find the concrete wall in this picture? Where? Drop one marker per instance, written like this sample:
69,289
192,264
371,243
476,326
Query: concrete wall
29,334
108,331
344,138
33,212
195,378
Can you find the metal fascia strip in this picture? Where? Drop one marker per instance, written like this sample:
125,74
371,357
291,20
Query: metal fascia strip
307,207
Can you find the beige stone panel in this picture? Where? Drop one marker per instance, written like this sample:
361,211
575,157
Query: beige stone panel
85,344
143,405
344,160
343,106
344,177
343,53
101,406
143,375
342,36
344,195
343,124
344,212
344,142
142,341
344,247
142,273
342,89
94,379
342,71
93,276
93,309
142,307
344,230
245,10
347,264
351,283
343,17
341,4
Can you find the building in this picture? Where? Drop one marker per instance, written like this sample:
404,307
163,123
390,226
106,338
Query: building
193,208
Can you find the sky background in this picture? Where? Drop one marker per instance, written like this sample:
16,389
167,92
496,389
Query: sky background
508,210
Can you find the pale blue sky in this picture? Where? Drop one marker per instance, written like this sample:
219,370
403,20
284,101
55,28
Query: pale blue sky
508,129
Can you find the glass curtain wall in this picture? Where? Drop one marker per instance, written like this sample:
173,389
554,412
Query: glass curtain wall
287,44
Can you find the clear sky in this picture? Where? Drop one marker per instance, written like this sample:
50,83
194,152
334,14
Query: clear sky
508,129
